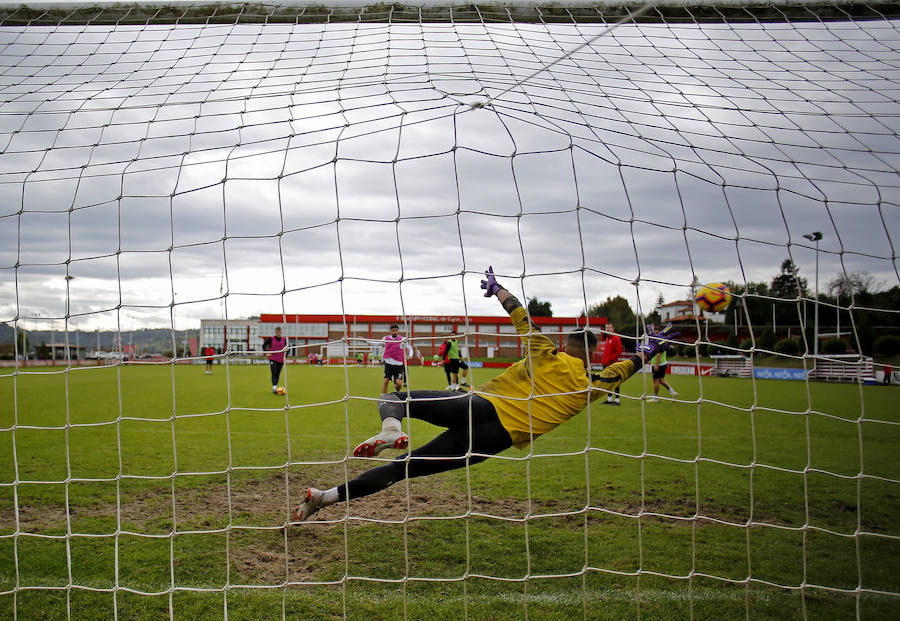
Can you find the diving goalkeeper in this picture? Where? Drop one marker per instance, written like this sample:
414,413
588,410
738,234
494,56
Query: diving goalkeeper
530,398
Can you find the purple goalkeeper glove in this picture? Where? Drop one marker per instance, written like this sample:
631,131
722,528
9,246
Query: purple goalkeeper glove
490,284
657,341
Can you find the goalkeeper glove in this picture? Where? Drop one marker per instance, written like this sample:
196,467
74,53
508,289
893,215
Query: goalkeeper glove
657,341
490,284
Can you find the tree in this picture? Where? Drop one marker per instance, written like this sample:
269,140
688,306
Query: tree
851,284
22,342
845,287
655,317
889,299
695,286
865,333
888,345
616,309
767,338
732,341
539,308
788,284
834,346
754,298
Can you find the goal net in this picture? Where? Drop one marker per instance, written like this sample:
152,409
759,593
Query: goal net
164,164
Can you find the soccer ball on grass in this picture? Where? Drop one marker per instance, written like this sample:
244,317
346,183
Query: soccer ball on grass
714,297
280,391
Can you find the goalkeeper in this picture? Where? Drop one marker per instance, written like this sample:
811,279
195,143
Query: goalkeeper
530,398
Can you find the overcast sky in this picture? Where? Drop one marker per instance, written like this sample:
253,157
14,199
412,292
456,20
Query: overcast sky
180,173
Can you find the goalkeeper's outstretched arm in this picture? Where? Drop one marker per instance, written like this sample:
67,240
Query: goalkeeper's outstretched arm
492,287
528,331
612,376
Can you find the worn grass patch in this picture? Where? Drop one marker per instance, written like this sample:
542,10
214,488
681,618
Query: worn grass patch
169,493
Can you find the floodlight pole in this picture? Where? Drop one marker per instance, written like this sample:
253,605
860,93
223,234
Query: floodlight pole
35,317
816,236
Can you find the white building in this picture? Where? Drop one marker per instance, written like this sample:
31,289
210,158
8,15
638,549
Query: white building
686,310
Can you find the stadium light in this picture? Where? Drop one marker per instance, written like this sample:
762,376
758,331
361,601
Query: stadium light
816,236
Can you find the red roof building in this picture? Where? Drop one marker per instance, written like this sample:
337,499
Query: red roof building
481,335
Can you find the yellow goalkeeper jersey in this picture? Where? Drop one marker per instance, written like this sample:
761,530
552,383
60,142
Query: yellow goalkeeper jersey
547,387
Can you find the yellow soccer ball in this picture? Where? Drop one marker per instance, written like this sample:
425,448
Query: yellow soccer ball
714,297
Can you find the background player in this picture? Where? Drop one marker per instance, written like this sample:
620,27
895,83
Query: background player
453,364
395,350
611,352
660,364
277,345
210,353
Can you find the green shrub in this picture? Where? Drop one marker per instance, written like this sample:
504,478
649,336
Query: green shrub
790,347
887,345
703,349
767,338
732,342
747,344
834,346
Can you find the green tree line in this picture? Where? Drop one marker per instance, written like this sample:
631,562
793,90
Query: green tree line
852,304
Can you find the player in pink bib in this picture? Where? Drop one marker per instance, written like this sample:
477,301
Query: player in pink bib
277,345
395,349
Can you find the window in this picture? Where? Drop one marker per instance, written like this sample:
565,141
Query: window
293,329
312,329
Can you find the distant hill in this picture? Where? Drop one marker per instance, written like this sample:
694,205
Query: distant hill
151,340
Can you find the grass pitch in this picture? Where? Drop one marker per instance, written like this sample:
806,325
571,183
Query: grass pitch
156,492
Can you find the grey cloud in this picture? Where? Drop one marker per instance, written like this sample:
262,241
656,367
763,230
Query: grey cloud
221,143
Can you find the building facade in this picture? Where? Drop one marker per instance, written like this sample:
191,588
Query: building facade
234,335
337,336
687,310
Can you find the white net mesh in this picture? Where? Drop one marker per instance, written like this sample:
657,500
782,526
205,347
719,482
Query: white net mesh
163,165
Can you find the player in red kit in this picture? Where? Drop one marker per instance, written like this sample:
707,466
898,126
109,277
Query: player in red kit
611,352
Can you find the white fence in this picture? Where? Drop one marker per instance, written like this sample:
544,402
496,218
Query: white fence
844,368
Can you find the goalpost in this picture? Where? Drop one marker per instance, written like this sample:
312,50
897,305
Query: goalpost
164,163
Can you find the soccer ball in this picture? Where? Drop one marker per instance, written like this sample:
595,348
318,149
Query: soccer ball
713,297
280,391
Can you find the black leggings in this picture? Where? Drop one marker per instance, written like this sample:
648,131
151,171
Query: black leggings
275,368
447,409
